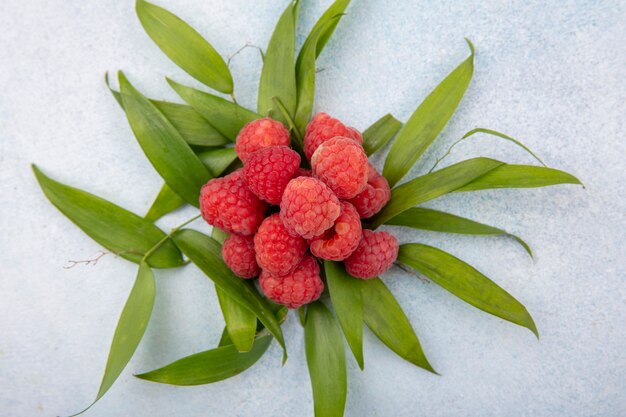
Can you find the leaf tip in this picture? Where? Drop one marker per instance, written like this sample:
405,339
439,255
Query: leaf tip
471,45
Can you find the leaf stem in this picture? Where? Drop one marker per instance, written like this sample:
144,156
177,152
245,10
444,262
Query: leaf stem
167,236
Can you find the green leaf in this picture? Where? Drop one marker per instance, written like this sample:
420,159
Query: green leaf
206,253
430,186
219,235
278,76
437,221
380,133
170,155
345,293
130,328
186,47
466,283
120,231
428,121
519,176
326,358
240,322
227,117
217,160
191,126
209,366
333,14
165,202
225,339
385,318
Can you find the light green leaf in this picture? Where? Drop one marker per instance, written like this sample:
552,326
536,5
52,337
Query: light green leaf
438,221
326,358
519,176
209,366
120,231
170,155
206,253
130,328
433,185
219,235
186,47
385,318
345,293
191,126
428,121
278,76
240,322
165,202
380,133
334,14
227,117
225,339
466,283
217,160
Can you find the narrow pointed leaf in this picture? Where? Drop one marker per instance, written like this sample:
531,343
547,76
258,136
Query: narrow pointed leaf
219,235
380,133
217,160
165,202
278,76
466,283
206,253
436,184
336,9
240,322
120,231
519,176
227,117
428,121
186,47
225,338
209,366
385,318
326,358
437,221
345,293
168,152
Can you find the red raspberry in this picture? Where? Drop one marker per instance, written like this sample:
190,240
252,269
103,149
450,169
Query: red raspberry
338,242
342,164
259,134
374,255
308,207
238,253
322,128
374,196
227,203
277,252
302,286
268,170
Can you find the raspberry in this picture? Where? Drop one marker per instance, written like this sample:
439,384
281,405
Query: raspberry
308,207
302,286
227,203
259,134
374,255
277,252
374,196
268,170
322,128
342,164
238,253
338,242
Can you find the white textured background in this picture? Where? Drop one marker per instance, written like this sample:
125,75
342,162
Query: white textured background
552,75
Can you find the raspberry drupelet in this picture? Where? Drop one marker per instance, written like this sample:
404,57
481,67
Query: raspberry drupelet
374,196
268,170
341,240
302,286
260,134
322,128
238,254
376,252
277,251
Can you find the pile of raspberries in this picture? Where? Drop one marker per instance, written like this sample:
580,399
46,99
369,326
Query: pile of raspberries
281,216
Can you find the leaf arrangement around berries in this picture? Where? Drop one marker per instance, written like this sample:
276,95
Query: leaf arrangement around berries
189,144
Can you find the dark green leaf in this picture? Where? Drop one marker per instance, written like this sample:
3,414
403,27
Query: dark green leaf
302,315
165,202
206,253
335,10
433,185
326,358
380,133
209,366
183,45
227,117
278,76
519,176
345,293
170,155
385,318
428,121
120,231
217,160
240,322
438,221
466,283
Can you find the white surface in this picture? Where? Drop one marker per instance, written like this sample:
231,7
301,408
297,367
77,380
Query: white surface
551,75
